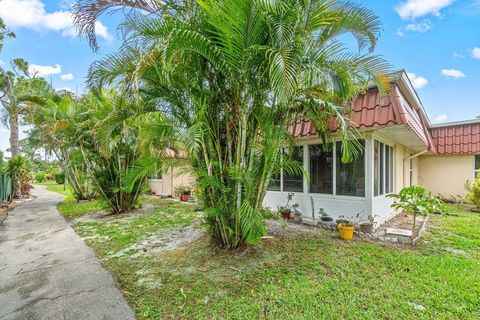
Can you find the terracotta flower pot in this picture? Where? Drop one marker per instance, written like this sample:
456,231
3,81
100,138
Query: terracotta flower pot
286,215
184,197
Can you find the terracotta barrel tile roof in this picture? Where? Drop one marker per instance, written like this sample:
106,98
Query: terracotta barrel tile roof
457,139
371,110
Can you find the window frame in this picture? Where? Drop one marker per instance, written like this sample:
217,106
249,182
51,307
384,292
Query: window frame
476,165
306,163
385,183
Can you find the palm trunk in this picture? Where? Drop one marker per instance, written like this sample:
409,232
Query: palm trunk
15,150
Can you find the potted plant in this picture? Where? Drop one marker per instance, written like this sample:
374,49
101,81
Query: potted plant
325,218
183,192
345,228
368,225
297,215
286,210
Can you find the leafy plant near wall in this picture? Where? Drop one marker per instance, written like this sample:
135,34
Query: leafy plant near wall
17,168
415,200
473,193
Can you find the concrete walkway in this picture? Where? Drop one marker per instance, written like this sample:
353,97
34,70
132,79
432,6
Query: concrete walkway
48,272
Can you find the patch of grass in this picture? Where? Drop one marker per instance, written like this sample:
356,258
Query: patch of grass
58,188
70,208
315,276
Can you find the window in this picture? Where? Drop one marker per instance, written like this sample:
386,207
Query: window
350,177
275,181
383,168
293,183
321,169
157,175
477,164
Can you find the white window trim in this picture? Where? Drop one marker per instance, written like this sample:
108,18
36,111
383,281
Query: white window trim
306,164
393,176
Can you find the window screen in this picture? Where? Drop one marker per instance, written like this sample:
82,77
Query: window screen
321,169
350,177
293,183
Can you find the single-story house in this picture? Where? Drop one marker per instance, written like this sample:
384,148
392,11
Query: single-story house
401,148
176,175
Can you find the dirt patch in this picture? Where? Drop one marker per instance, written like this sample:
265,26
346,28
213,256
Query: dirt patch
402,221
172,240
277,227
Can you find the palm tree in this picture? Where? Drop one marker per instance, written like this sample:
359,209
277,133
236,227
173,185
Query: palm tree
232,77
19,92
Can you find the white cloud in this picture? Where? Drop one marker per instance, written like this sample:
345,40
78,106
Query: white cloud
66,76
458,55
64,89
2,62
419,27
453,73
476,53
412,9
441,118
43,71
31,14
417,81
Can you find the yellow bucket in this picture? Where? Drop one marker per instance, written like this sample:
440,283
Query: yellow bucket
346,232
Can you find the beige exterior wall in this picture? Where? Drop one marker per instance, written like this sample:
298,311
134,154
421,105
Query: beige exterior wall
170,180
402,168
446,175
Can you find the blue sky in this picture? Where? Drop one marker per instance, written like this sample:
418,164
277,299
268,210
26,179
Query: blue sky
436,41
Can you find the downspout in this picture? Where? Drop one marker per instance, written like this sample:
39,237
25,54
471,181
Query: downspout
408,159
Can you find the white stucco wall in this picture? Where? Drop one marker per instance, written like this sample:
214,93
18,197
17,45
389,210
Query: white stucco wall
335,206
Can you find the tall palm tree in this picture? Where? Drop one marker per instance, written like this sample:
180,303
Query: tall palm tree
19,92
232,77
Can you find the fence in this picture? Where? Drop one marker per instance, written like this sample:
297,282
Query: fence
5,188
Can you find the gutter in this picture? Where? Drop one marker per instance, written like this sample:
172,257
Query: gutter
416,155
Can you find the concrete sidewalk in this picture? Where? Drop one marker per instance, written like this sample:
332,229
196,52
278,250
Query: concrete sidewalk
48,272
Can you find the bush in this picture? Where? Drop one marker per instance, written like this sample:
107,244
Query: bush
60,177
40,177
48,177
415,200
25,185
473,194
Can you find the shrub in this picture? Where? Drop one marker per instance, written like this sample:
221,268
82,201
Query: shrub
48,177
60,177
17,168
416,200
473,194
25,183
40,177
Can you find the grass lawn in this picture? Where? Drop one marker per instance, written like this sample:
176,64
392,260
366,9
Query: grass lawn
167,269
70,208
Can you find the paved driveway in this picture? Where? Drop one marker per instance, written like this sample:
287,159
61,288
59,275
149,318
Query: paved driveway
48,272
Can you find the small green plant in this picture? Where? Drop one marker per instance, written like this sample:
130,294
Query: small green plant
183,190
288,208
415,200
473,193
345,221
60,177
324,216
40,177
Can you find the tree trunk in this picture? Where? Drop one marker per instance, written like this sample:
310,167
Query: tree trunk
15,150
